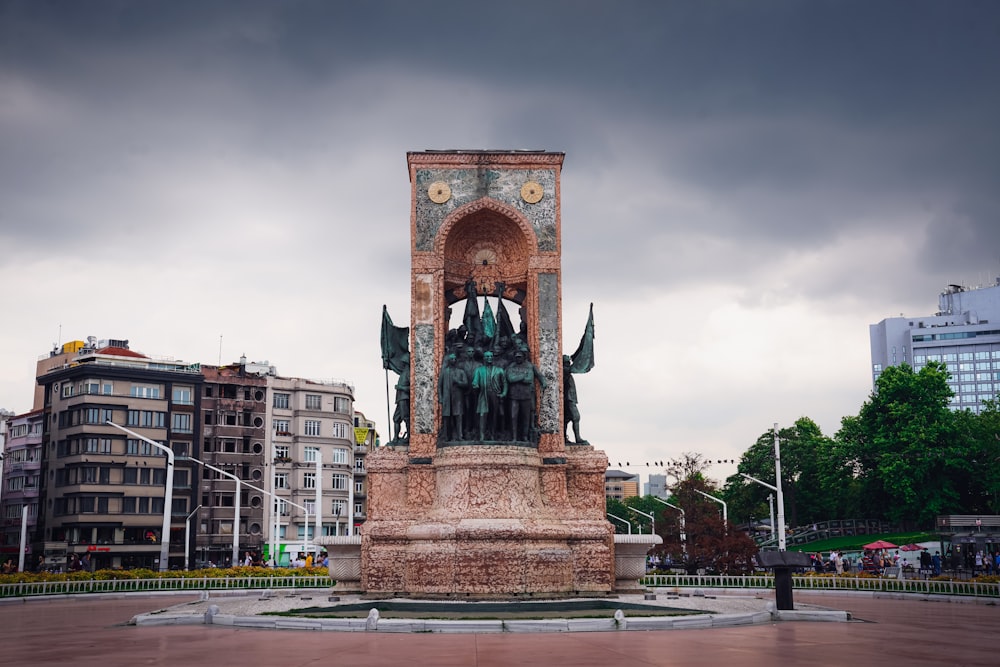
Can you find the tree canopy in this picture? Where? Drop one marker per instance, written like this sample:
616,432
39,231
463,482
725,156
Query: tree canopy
907,457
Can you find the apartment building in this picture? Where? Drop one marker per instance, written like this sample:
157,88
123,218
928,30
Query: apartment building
365,441
233,447
20,488
619,485
260,461
964,334
312,457
104,489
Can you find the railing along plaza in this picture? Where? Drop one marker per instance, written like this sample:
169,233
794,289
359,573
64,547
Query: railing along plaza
806,583
41,588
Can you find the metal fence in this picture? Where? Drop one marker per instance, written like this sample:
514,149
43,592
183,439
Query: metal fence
917,586
36,588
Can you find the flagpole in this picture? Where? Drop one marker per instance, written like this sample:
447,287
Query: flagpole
388,415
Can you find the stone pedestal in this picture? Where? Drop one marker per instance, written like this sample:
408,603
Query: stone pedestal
344,558
630,560
487,521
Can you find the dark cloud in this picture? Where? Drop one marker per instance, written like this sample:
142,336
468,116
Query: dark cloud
831,158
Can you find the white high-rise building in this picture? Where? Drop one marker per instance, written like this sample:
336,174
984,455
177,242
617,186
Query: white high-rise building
964,334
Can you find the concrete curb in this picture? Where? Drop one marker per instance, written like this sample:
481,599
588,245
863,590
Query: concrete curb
403,625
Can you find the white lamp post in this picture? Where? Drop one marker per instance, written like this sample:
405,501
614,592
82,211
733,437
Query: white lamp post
168,494
240,483
781,512
319,496
725,511
627,523
652,521
24,537
683,526
776,489
236,507
187,537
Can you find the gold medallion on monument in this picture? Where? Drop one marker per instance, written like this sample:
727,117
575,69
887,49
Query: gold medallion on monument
531,192
439,192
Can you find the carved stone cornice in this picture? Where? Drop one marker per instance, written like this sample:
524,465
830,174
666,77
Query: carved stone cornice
470,158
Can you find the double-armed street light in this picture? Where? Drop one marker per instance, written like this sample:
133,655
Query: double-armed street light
236,521
776,487
652,521
725,511
683,534
187,537
627,523
168,493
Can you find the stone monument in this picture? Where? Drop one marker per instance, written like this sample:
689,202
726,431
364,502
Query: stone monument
484,495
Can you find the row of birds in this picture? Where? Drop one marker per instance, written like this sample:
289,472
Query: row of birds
659,464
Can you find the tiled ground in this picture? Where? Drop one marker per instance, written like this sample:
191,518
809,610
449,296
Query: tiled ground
899,633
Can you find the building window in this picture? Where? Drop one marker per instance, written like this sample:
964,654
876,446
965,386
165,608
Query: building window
281,401
183,396
309,480
312,427
135,447
339,508
339,482
359,509
147,419
181,422
339,455
144,391
359,464
341,404
281,480
281,426
359,487
314,402
342,430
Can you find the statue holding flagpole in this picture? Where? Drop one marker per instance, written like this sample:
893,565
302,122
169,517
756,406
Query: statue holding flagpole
396,358
580,362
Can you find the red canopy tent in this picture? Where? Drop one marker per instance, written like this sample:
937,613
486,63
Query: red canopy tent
880,544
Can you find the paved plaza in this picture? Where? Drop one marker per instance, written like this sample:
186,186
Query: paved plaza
885,632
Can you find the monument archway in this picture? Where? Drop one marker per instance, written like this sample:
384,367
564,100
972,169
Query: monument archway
486,224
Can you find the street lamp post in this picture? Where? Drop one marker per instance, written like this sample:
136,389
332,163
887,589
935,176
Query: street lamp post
627,523
777,481
725,511
683,534
781,510
236,507
24,536
187,537
168,494
260,490
652,521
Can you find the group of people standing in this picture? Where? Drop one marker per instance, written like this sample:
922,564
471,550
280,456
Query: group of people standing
489,394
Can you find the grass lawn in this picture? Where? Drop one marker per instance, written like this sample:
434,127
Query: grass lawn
856,542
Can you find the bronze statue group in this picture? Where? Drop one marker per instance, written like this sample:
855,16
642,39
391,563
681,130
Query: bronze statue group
486,384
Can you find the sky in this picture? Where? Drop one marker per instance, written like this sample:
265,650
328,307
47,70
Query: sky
747,186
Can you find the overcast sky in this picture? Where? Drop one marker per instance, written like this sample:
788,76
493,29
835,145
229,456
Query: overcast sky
747,186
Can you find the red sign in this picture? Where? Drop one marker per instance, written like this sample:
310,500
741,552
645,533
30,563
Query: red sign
93,548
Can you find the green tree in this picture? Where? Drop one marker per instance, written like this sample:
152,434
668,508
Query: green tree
805,458
905,447
980,487
710,543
